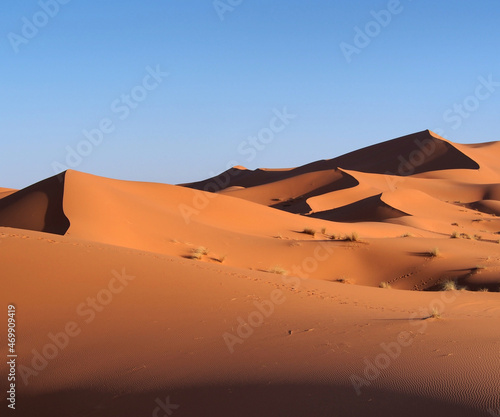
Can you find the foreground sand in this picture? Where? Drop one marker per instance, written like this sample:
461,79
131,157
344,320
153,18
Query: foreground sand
115,319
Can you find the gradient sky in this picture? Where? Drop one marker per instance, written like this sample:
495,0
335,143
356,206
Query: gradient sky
229,70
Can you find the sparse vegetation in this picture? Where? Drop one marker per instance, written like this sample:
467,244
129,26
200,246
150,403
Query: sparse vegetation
384,284
344,280
277,270
309,231
434,253
407,235
483,290
323,230
449,285
196,256
435,314
198,253
455,235
353,237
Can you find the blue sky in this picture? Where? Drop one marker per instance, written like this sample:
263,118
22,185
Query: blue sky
68,67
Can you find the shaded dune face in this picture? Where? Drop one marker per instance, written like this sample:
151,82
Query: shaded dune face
371,209
408,155
38,207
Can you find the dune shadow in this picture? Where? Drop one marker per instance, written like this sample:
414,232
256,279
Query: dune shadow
243,400
370,209
38,207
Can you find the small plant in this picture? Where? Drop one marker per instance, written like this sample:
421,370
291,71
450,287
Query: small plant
477,237
454,224
483,290
334,237
384,285
203,250
277,270
465,236
323,230
455,235
449,285
198,253
434,253
344,280
309,231
353,237
435,314
407,235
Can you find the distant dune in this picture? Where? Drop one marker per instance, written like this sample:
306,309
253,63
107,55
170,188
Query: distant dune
257,292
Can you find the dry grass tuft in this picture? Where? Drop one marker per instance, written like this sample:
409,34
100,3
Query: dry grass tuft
435,314
449,285
353,237
434,253
198,253
309,231
277,270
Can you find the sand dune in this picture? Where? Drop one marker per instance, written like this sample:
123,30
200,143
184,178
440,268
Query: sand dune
256,293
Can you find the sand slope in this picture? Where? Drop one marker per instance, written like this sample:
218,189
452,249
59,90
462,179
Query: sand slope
162,335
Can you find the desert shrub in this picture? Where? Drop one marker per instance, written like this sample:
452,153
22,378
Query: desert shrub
277,270
353,237
434,253
449,285
309,231
199,252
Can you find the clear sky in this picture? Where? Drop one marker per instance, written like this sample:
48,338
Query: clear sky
341,75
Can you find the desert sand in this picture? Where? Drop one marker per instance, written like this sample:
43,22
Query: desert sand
312,291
